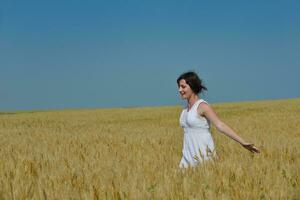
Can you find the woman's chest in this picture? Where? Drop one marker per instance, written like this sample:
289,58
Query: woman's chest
191,119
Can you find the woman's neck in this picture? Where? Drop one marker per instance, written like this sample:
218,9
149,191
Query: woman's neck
192,100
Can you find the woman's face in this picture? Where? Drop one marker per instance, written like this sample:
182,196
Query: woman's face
184,89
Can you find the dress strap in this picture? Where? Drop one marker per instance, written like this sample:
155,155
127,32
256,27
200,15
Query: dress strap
198,103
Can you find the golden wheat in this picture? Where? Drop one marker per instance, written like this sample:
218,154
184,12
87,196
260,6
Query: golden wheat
133,153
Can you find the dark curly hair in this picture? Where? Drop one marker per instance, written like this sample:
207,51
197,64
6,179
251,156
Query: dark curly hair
193,80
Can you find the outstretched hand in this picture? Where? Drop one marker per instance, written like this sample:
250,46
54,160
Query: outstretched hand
251,147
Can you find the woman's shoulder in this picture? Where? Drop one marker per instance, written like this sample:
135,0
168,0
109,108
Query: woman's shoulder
202,106
202,101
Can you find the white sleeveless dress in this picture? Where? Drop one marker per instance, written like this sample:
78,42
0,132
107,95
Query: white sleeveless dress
198,144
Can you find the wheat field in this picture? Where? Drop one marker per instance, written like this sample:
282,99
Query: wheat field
133,153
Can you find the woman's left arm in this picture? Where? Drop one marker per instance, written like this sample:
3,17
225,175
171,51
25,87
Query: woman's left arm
207,111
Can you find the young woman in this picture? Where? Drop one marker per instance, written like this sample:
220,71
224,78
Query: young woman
198,144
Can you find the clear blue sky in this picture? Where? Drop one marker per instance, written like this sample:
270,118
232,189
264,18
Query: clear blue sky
89,54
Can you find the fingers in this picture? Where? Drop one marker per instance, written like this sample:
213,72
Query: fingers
256,150
252,148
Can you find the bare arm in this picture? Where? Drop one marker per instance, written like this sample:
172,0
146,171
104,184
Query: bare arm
206,111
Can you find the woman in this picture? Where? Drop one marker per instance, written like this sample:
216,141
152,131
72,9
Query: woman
198,144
